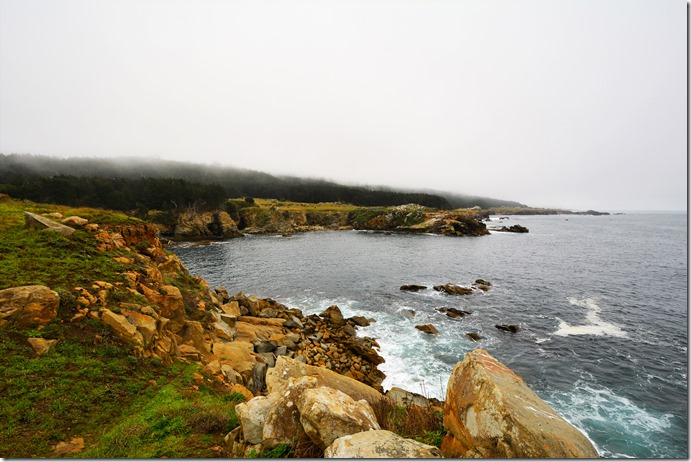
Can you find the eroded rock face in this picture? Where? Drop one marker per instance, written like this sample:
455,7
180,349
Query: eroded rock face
490,412
327,414
379,444
28,306
191,224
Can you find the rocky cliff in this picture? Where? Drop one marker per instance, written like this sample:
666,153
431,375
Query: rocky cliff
310,382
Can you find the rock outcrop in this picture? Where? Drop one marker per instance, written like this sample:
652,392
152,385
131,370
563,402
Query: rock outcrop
28,306
453,289
490,412
191,224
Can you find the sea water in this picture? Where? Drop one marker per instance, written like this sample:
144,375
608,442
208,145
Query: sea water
602,301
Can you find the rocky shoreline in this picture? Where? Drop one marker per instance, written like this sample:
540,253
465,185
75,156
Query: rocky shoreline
306,378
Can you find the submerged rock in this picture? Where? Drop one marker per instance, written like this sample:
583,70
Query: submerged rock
413,287
513,328
491,413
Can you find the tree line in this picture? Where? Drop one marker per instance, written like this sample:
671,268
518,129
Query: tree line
136,183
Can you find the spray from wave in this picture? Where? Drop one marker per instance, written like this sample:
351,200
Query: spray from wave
595,325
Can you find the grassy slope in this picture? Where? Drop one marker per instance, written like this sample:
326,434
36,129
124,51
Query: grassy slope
90,385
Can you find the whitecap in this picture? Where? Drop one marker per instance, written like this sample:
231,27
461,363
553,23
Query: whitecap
595,326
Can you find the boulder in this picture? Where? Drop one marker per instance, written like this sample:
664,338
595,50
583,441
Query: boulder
34,221
379,444
28,306
490,412
282,424
252,415
277,379
413,287
453,289
74,221
327,414
144,323
238,355
333,316
231,308
123,328
428,329
41,346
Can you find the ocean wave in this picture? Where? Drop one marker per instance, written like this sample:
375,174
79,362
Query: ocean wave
620,425
595,326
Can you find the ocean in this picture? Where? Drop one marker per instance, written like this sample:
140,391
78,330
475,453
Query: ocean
602,302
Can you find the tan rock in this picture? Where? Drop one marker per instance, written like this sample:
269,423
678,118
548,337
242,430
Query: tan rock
282,423
252,416
154,274
122,327
172,265
231,308
193,332
379,444
247,332
428,329
68,447
28,306
238,355
145,324
170,303
74,221
41,346
327,414
490,412
277,379
124,260
241,389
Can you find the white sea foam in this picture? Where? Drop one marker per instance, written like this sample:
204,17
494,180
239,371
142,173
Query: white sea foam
625,423
595,326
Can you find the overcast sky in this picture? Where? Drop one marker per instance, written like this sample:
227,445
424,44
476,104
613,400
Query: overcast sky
567,103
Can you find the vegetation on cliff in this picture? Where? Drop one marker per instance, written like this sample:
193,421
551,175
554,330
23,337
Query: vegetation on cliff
129,370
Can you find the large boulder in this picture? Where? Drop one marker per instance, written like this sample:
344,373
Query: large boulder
28,306
379,444
490,412
34,221
327,414
277,379
282,424
252,415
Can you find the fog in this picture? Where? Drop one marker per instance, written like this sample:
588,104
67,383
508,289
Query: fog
556,103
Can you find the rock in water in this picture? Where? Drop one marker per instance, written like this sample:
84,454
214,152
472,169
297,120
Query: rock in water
491,413
453,289
413,287
428,329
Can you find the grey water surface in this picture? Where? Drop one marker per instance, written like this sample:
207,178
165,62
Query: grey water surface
602,301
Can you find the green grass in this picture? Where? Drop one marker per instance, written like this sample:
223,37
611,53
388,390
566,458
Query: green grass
121,405
29,257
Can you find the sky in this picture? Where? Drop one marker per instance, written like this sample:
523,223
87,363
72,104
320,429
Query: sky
577,104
